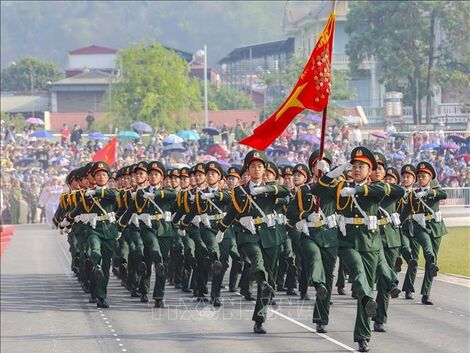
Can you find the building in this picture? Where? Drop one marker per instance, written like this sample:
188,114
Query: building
242,67
92,57
25,105
80,93
304,21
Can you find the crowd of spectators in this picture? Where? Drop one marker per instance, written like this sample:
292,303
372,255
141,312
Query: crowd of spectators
34,169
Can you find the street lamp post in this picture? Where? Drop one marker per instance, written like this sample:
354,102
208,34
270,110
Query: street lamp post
32,89
202,54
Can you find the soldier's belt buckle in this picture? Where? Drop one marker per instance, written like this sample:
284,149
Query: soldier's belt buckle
258,220
358,221
383,221
317,224
429,217
158,216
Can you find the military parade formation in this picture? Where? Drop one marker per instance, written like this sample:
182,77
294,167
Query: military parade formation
281,228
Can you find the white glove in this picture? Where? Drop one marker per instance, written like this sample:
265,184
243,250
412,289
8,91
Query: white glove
220,236
182,232
149,195
347,191
313,217
259,190
191,198
207,195
119,236
64,223
90,192
421,194
323,166
339,170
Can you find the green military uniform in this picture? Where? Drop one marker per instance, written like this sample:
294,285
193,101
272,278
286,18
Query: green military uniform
156,232
209,205
258,238
99,205
319,237
428,225
410,245
228,246
286,252
388,220
359,243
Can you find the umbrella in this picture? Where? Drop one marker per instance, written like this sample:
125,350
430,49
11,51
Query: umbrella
466,157
310,138
35,121
277,149
59,161
313,117
456,138
188,135
379,134
96,136
24,161
42,134
429,146
175,147
217,149
171,139
177,156
224,164
208,158
211,131
451,146
128,135
398,156
140,126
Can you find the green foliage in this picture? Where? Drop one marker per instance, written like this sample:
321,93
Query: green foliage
288,78
17,120
402,37
30,70
225,98
155,88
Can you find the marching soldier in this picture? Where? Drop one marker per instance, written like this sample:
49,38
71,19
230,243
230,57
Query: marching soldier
156,232
359,245
427,222
98,206
209,205
388,221
410,245
228,246
253,205
319,236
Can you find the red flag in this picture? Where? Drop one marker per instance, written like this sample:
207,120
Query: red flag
107,153
310,92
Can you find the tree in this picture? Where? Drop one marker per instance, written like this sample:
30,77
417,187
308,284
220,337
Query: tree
281,83
28,73
223,98
401,36
154,88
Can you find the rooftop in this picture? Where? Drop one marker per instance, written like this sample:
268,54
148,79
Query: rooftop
93,50
259,50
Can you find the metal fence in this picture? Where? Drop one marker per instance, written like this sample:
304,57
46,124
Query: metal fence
456,197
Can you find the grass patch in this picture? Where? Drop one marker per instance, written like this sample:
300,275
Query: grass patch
454,254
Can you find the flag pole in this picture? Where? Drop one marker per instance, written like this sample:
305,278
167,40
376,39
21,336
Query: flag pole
325,110
323,121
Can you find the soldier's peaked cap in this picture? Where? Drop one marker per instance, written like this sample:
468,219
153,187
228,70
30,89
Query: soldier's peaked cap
315,156
215,166
364,155
426,167
255,155
158,166
100,166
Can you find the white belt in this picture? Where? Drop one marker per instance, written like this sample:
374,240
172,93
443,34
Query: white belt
196,220
281,218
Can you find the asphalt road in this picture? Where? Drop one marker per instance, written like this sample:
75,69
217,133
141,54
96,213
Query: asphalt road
43,309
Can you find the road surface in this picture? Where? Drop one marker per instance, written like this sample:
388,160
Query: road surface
43,310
